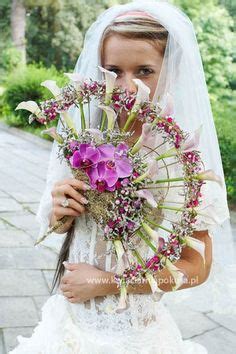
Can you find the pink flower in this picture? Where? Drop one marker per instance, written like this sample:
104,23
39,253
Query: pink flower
85,157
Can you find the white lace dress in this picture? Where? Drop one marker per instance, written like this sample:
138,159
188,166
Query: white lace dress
93,327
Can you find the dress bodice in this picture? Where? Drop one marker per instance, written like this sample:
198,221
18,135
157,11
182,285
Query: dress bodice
88,246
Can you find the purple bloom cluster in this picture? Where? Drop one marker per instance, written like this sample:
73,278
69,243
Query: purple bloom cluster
127,208
105,165
172,130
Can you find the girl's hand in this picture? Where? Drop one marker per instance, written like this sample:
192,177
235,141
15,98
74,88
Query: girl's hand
82,283
67,188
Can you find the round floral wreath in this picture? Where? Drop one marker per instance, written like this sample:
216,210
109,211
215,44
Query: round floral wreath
122,176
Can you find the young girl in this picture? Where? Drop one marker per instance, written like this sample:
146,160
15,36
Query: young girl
154,42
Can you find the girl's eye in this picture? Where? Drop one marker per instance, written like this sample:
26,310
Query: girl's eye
116,71
145,71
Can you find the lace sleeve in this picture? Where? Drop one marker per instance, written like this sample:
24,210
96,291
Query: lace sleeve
56,171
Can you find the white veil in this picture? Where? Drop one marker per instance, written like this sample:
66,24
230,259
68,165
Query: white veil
183,77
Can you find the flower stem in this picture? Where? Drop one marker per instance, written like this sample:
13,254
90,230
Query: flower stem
170,208
170,180
83,125
103,121
129,121
160,226
139,258
148,242
153,150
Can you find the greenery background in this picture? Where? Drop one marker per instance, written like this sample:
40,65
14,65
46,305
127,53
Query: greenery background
53,32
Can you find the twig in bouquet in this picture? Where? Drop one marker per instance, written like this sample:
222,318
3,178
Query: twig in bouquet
170,164
153,150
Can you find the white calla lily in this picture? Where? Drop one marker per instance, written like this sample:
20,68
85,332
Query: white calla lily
144,137
178,275
197,245
68,120
110,78
111,116
53,133
122,305
151,172
192,141
152,233
209,175
154,287
30,106
143,92
51,85
120,253
76,79
146,194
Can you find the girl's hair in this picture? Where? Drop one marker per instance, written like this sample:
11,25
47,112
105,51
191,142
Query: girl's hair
129,27
137,28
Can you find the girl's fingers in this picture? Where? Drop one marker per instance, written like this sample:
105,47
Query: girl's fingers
73,204
74,183
70,191
59,212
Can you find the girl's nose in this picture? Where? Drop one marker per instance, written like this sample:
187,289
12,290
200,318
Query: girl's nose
127,83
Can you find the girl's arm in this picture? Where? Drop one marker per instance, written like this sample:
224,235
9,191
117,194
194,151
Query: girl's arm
191,263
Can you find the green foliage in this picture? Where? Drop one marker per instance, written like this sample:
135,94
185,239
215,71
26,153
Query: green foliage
10,58
224,112
24,85
213,26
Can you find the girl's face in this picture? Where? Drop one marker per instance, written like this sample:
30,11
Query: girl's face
132,59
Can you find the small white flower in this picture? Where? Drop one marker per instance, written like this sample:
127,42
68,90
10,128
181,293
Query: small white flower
51,85
30,106
122,305
152,233
110,78
178,275
146,194
68,120
192,141
111,116
209,175
144,137
197,245
76,79
143,92
153,284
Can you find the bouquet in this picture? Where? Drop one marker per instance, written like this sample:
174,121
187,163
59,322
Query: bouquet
129,180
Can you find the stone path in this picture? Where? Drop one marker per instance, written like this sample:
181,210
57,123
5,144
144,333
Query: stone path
26,272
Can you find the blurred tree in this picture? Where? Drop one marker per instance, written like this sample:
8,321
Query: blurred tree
214,30
18,24
56,30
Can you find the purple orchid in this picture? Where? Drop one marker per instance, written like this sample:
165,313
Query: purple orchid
103,177
116,159
85,157
113,164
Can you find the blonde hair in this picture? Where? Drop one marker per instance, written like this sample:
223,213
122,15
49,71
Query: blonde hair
137,28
